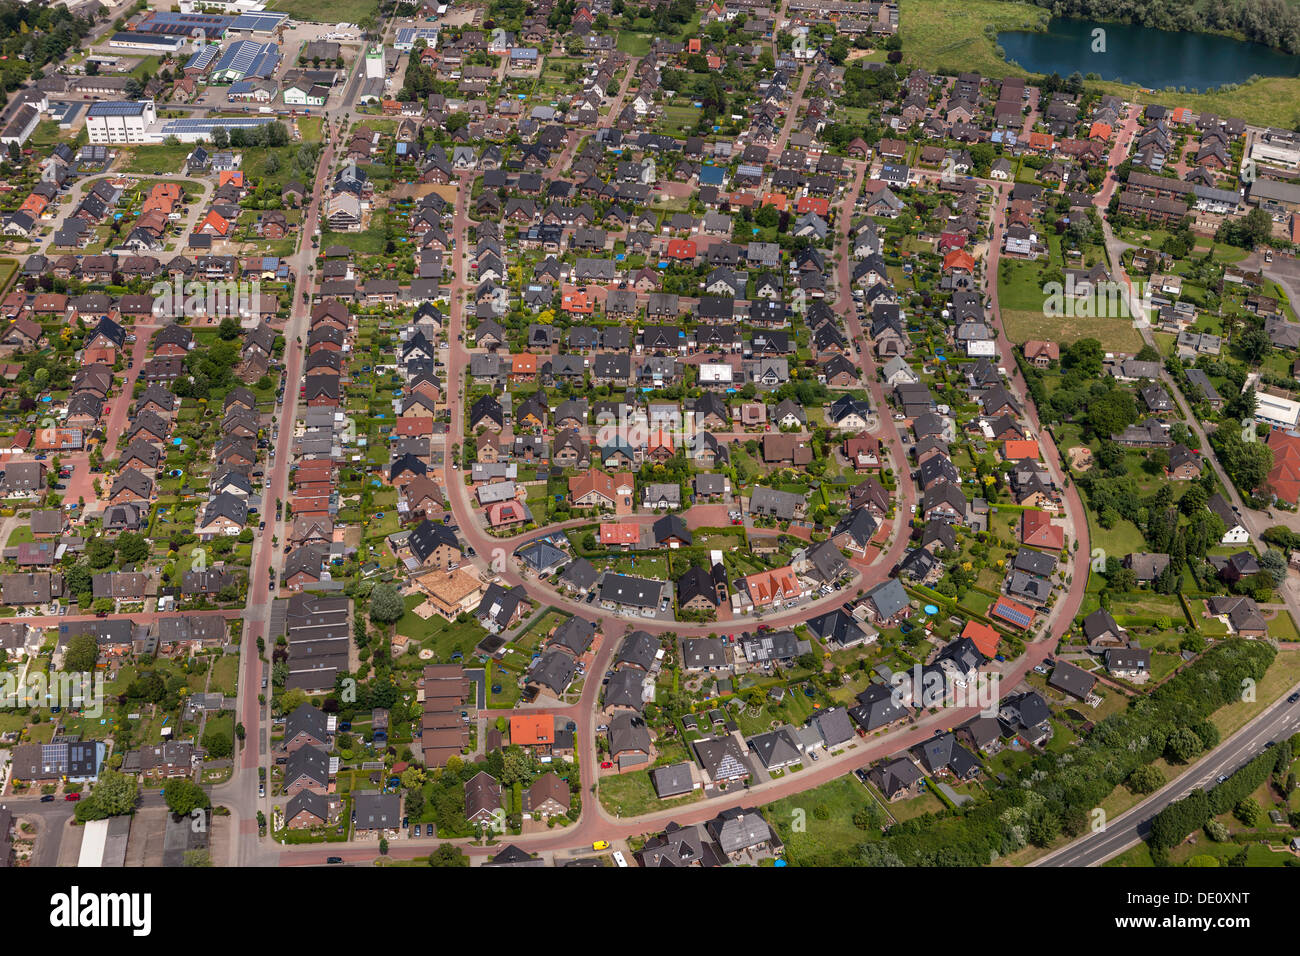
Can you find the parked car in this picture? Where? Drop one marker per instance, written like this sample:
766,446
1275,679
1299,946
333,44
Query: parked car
600,845
48,798
72,797
334,859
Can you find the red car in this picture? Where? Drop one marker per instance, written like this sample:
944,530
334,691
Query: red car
72,797
606,766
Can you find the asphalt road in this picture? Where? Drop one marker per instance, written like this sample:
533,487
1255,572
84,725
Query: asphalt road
1277,722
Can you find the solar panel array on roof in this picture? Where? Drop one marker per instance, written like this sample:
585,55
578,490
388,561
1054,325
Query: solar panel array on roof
203,57
248,58
184,24
176,127
117,108
1012,614
259,22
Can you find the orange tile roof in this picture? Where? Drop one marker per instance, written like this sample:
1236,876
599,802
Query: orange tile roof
1036,528
817,204
659,438
413,427
1100,131
1284,478
529,730
1017,449
523,363
601,483
776,585
681,249
982,636
504,512
574,299
622,533
959,259
216,221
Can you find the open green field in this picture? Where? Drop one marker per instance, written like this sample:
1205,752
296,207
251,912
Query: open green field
632,794
327,11
1115,335
817,825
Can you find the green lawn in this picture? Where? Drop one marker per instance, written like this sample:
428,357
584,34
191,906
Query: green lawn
632,794
327,11
1283,627
441,636
225,675
817,825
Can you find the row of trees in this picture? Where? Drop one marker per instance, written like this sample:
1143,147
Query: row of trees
1055,794
1181,818
1275,23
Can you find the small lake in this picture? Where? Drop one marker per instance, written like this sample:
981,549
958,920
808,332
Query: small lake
1155,59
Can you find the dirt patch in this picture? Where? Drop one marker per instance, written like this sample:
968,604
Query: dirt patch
1080,458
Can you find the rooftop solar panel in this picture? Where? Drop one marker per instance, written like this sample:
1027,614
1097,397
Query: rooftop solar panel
203,57
205,125
117,108
1015,615
260,22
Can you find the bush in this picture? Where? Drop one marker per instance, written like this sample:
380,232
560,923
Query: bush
1145,779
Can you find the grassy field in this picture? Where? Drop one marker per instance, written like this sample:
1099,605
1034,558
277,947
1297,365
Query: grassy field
949,36
632,794
225,675
327,11
1115,335
817,825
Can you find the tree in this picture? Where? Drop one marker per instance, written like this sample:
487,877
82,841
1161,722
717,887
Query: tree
1086,355
218,744
448,854
1248,812
1145,779
386,605
82,653
132,548
1255,345
100,552
517,765
114,795
1274,564
184,796
1183,744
